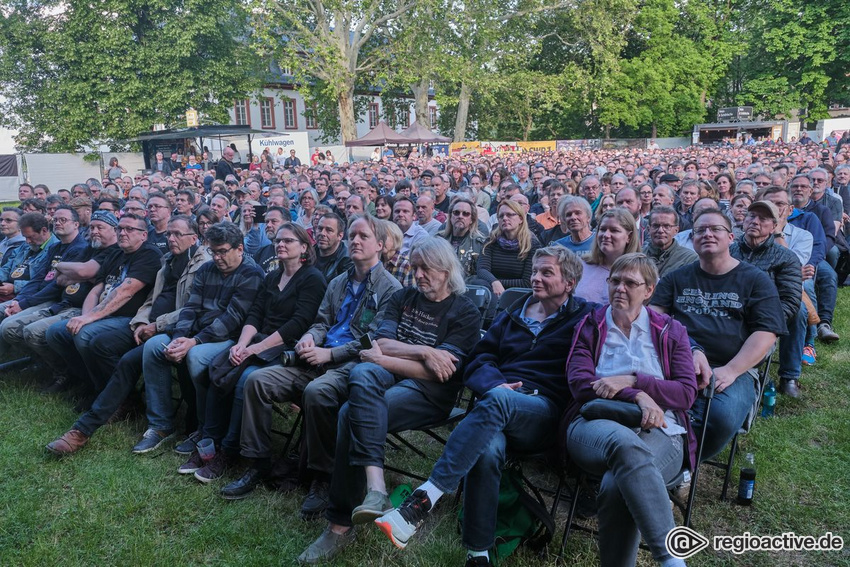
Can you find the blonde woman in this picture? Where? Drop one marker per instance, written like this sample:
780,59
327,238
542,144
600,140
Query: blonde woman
505,261
616,234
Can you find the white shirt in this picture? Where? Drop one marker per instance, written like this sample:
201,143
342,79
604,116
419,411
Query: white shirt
414,234
634,354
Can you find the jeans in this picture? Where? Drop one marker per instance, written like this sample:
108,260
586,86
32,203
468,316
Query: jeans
791,346
379,402
119,386
223,421
635,468
729,409
826,282
323,397
91,354
476,449
197,361
157,371
29,329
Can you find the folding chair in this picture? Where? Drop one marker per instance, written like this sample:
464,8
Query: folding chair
510,296
762,378
581,478
12,364
295,433
481,296
395,440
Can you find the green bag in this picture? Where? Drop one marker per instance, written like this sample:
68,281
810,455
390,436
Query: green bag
522,517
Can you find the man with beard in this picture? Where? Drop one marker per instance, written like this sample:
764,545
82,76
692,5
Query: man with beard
331,254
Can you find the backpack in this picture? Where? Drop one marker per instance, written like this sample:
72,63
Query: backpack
522,517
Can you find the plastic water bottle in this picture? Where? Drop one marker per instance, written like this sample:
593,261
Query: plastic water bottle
768,400
747,482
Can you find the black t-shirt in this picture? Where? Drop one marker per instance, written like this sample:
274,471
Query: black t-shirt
444,206
452,324
166,301
143,264
74,294
721,312
266,259
158,239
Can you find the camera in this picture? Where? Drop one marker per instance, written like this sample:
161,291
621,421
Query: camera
289,358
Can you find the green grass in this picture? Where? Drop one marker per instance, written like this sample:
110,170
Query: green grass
105,506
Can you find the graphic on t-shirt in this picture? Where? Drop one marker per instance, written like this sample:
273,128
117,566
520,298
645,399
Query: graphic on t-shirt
419,327
719,304
112,281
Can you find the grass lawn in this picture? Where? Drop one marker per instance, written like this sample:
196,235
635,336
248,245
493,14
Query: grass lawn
105,506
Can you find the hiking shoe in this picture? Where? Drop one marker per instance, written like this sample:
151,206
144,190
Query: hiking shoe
327,546
241,488
152,440
477,561
400,524
375,505
316,501
188,445
826,334
215,468
70,442
192,465
810,356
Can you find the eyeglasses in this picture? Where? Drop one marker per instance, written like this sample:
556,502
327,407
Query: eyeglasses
507,215
220,253
630,284
56,220
8,220
461,214
129,228
287,241
176,234
662,226
762,183
819,180
152,206
713,229
133,210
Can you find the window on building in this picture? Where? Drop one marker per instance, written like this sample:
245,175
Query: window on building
267,113
373,115
432,117
403,117
290,120
241,113
310,115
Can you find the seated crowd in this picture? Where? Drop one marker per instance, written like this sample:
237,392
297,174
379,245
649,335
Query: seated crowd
341,288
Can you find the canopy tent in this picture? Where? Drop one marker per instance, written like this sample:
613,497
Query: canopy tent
381,135
419,134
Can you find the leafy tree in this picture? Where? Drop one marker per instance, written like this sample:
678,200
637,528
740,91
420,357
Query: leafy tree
77,73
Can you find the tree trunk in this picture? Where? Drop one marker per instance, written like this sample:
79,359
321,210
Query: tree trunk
420,103
526,131
607,131
347,120
654,130
462,112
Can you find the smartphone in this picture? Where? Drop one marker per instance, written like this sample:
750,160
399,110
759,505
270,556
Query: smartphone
260,213
366,342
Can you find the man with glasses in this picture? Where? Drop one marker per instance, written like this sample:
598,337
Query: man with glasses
662,247
209,322
92,343
158,315
720,296
463,233
30,315
822,193
12,237
159,212
591,189
825,285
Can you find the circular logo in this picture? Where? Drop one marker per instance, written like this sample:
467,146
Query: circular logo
684,542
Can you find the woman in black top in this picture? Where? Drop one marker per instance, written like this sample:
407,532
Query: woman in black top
285,307
505,261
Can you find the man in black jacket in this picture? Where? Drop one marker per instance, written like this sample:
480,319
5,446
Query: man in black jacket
331,254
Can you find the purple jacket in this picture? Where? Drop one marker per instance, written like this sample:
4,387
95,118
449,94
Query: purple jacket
676,392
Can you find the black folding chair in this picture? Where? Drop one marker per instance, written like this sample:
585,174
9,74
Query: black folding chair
481,296
296,431
761,380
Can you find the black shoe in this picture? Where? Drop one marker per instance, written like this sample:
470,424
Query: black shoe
241,488
477,561
61,383
790,387
316,501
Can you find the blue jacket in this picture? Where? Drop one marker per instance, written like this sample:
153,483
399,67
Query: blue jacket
810,222
37,266
46,290
509,352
